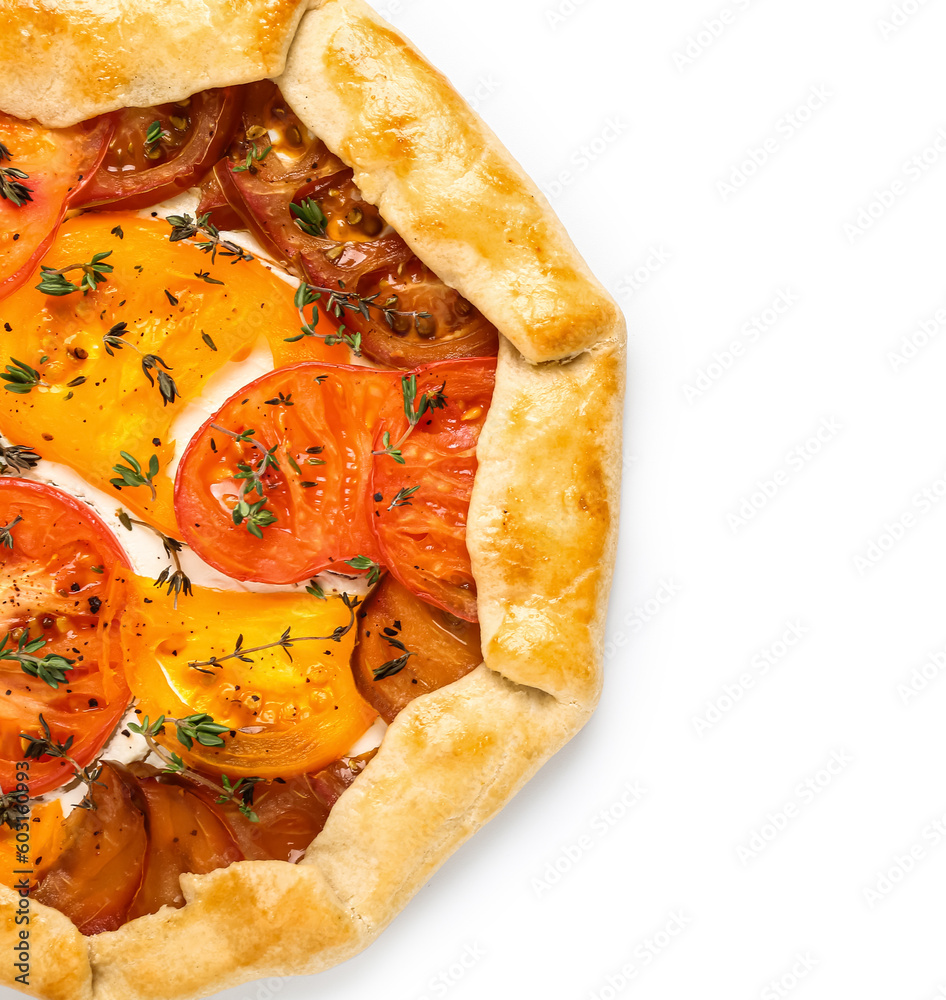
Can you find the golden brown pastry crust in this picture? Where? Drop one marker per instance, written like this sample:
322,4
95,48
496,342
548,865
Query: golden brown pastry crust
68,60
542,532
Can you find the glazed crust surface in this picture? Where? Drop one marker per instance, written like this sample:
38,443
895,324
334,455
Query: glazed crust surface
68,60
541,534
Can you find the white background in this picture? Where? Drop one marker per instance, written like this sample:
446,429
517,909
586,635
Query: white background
761,857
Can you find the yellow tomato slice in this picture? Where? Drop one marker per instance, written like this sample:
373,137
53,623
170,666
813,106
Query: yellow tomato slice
38,845
285,716
91,405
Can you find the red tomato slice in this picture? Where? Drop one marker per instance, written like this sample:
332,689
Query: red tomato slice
438,648
191,136
423,538
96,877
57,584
320,420
353,249
42,171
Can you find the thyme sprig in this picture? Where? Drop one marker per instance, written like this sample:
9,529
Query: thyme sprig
253,156
11,187
185,227
18,458
53,281
114,341
285,642
46,746
153,139
193,727
395,666
10,806
367,564
402,497
6,533
254,515
50,668
132,475
414,409
309,216
21,378
175,579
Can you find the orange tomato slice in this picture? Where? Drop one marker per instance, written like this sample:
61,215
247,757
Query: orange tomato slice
285,716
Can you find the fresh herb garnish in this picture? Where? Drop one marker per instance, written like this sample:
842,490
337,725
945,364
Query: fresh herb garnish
309,216
113,341
414,409
402,497
53,281
21,378
207,339
135,476
253,156
240,794
11,188
17,458
254,515
285,642
184,227
392,667
46,746
50,668
363,562
153,139
6,532
175,579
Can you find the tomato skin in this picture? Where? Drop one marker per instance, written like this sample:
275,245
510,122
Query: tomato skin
59,164
48,586
444,648
186,833
211,117
96,877
68,332
318,527
358,250
285,716
423,543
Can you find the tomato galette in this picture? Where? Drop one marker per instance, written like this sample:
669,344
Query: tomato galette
310,419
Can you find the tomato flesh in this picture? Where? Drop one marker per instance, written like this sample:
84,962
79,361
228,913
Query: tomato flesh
58,164
423,541
327,429
59,582
186,833
285,716
355,251
442,648
96,877
169,310
192,135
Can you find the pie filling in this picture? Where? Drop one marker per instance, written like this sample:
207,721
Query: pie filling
239,423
